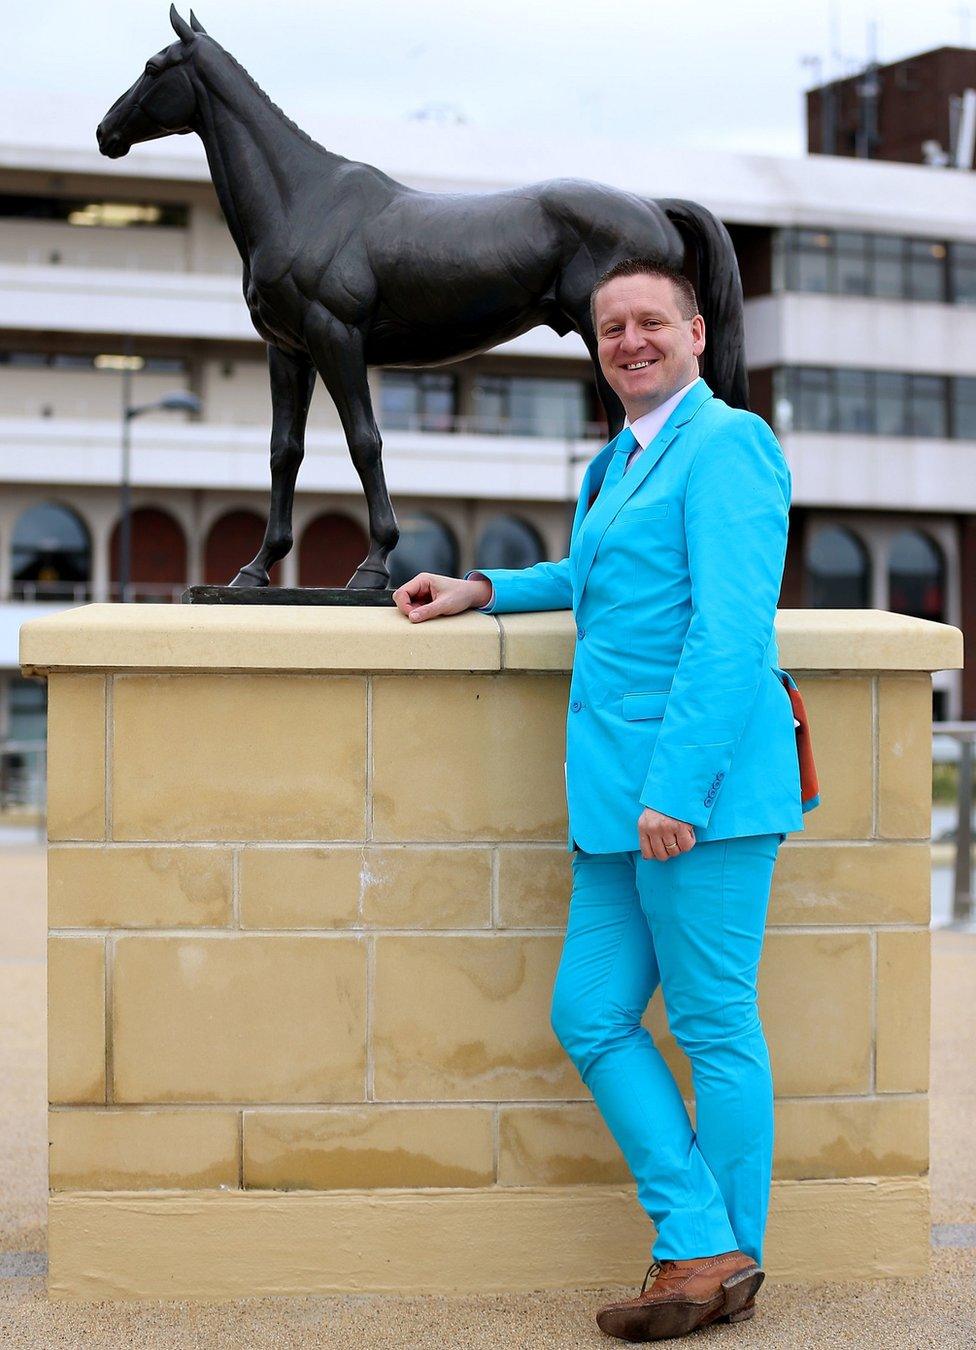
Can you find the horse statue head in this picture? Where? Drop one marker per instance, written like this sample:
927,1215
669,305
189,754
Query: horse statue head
163,100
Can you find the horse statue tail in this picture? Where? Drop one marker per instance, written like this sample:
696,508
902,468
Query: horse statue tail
720,296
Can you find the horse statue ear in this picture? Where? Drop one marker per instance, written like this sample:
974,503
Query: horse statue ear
180,27
196,25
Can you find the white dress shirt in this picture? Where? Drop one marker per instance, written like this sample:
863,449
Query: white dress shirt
647,427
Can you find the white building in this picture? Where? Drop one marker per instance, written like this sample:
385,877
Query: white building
860,281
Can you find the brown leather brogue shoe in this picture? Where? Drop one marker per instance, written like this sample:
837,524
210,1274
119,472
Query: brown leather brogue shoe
686,1295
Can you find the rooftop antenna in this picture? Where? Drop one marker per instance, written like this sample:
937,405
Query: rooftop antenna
868,90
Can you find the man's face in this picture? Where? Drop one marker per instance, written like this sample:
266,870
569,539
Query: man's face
647,350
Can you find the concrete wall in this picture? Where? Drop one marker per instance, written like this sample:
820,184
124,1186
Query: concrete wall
307,888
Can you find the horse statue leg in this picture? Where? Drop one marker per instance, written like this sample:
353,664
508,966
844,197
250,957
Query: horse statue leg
292,381
338,350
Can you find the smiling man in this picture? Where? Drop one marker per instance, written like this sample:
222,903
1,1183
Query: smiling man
682,778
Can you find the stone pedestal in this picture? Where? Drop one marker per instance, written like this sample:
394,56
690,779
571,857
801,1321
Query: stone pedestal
306,890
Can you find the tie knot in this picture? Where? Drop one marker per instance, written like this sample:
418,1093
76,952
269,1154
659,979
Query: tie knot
626,442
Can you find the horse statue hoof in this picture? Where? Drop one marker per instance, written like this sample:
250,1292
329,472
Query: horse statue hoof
248,578
369,579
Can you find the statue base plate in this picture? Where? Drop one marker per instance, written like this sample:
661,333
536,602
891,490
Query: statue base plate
283,595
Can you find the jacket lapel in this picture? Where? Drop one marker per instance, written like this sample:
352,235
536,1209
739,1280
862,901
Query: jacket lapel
609,502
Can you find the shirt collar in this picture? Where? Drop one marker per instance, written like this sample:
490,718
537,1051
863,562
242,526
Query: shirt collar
647,427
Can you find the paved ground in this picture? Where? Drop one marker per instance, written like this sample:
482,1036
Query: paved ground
938,1311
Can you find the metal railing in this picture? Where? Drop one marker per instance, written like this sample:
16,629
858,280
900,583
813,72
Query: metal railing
81,592
963,734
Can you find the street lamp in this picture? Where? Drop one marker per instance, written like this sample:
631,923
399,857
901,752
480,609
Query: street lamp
179,401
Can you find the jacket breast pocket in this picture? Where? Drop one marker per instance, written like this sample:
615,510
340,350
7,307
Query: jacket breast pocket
656,512
641,707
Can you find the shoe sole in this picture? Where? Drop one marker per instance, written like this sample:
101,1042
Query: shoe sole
735,1302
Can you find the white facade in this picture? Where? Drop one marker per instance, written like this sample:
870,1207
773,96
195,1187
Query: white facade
70,289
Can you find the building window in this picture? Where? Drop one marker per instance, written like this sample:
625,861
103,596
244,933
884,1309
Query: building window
928,407
413,400
891,403
962,273
849,262
83,211
426,545
508,542
853,263
916,576
519,405
102,361
963,408
27,710
810,394
926,270
854,401
837,571
882,402
51,555
808,266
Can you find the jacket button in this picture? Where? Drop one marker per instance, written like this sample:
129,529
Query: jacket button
575,706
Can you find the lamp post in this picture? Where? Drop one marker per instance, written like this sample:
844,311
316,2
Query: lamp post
179,401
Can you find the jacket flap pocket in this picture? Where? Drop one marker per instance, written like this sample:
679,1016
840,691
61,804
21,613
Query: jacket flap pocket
655,512
635,707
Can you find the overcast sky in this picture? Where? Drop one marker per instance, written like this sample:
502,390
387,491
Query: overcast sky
708,74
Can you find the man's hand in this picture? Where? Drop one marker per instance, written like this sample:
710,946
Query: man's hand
663,837
428,596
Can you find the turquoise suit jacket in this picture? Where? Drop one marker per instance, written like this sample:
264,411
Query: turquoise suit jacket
677,700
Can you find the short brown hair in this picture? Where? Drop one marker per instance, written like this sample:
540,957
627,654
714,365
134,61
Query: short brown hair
684,292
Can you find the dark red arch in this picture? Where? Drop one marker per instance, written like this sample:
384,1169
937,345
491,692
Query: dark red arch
232,541
332,547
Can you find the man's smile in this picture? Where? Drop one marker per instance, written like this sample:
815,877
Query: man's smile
640,365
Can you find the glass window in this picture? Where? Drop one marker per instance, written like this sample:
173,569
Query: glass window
71,361
891,403
426,545
889,266
27,710
916,576
926,269
962,273
855,404
417,400
963,392
51,554
508,542
927,408
518,405
812,399
812,269
853,267
82,211
25,360
837,572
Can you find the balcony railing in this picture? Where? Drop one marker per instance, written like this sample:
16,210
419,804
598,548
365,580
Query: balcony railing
81,592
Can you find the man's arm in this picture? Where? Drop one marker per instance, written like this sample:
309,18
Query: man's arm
736,521
545,585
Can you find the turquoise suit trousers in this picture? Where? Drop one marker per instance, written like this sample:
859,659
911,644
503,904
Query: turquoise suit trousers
693,925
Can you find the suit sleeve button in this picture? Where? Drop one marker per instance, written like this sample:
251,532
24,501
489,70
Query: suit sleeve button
575,706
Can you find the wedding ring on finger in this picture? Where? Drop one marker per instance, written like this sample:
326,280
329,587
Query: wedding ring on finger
671,847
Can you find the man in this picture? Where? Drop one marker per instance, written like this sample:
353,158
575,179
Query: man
682,778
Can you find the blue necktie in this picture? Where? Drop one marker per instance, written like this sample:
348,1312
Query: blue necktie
626,442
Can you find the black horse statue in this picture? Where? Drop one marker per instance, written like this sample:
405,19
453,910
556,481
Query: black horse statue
345,268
